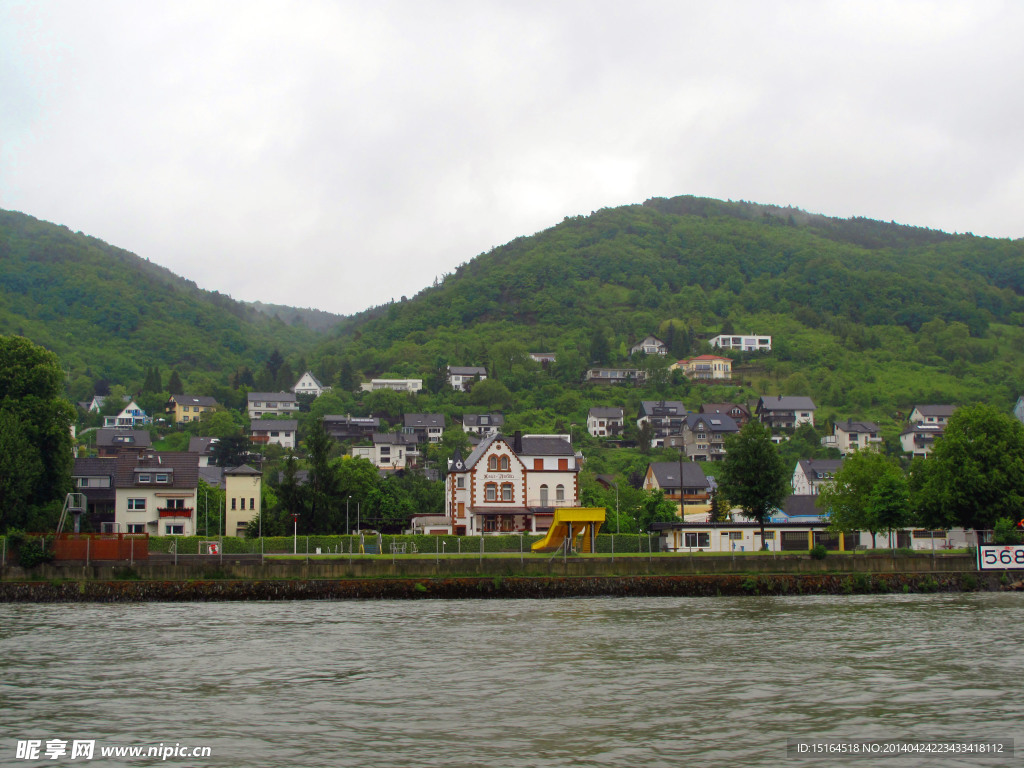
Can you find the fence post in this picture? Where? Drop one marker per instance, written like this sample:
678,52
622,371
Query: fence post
307,550
613,547
131,560
481,547
89,539
261,550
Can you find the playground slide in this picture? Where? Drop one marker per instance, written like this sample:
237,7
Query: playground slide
571,521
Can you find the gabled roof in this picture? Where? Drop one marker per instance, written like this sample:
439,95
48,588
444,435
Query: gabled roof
786,403
181,467
313,378
938,411
602,412
284,397
481,449
201,444
127,438
802,505
200,400
662,408
723,408
713,422
483,420
423,420
466,370
243,470
393,438
814,467
861,427
94,467
268,425
666,474
546,445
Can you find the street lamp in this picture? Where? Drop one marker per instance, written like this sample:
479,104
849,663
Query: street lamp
295,533
348,531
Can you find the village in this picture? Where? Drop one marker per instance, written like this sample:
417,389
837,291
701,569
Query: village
502,483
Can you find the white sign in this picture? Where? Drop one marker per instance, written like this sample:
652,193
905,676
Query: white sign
994,557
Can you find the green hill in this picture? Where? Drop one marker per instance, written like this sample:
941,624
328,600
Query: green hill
109,314
868,317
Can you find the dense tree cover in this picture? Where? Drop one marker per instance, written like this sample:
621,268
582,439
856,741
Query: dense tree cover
864,494
35,436
975,475
111,315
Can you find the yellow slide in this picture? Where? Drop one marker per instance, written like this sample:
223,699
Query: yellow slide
572,521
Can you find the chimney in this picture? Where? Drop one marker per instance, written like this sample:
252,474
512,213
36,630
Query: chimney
517,442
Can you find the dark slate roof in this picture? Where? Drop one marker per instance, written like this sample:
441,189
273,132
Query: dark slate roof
467,370
857,426
602,412
481,448
483,420
714,422
212,476
662,408
201,444
183,468
802,506
245,469
667,475
200,400
128,438
280,397
813,467
94,467
423,420
393,438
932,430
787,403
935,410
268,425
543,445
723,408
364,421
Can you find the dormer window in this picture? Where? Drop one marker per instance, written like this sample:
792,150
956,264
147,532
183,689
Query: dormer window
145,478
161,478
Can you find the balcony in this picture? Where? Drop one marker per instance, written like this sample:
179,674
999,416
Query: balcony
175,511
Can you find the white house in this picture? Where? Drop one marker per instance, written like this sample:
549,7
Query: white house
308,384
389,451
461,375
130,417
810,475
398,385
272,404
750,343
509,485
605,422
274,432
155,493
853,435
482,424
931,414
649,346
785,412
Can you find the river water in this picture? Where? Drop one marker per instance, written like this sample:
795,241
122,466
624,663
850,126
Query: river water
595,682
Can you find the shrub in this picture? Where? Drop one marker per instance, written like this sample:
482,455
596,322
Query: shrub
819,552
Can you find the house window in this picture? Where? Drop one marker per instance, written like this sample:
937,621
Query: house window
136,527
697,539
83,482
504,464
145,478
275,434
538,465
491,492
174,530
234,501
543,495
175,504
161,478
252,502
735,535
559,493
506,492
563,464
138,505
492,463
460,482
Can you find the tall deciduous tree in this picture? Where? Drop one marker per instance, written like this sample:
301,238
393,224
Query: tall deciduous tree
37,441
847,500
753,476
975,474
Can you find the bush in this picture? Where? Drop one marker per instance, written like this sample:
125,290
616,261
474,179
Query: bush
30,551
1006,532
819,552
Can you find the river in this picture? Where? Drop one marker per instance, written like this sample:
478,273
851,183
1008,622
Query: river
592,682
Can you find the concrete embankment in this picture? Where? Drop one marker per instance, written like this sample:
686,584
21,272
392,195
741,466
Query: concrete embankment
240,578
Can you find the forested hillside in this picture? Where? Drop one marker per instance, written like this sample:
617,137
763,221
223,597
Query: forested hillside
111,315
868,317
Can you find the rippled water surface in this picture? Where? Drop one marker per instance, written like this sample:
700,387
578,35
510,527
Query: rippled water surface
603,682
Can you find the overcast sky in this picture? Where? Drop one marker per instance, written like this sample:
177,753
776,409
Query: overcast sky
341,154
